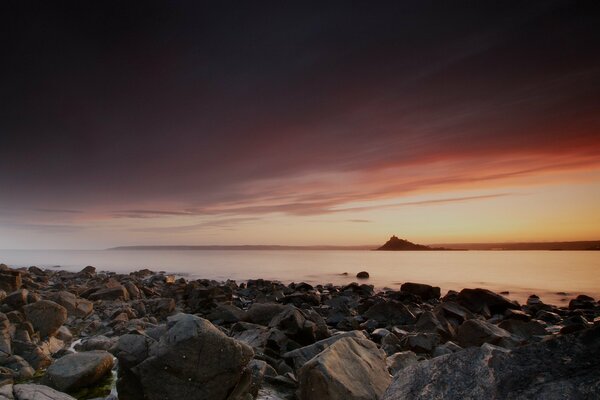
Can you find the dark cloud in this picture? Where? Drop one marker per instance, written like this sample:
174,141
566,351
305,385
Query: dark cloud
124,105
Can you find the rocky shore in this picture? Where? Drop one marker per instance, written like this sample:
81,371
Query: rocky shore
148,335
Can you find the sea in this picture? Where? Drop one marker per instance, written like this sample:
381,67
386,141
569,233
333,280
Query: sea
555,276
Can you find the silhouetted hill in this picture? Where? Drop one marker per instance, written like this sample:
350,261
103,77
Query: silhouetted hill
397,244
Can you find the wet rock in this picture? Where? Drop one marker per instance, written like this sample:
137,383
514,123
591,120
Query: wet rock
425,292
475,332
349,369
46,316
79,370
565,367
193,360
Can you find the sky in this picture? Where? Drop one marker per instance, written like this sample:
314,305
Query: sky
340,123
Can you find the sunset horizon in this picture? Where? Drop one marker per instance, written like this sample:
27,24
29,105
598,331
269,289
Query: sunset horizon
281,200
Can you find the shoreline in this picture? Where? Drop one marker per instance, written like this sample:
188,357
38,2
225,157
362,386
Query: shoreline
274,335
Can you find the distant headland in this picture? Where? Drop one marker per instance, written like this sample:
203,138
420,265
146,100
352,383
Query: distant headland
397,244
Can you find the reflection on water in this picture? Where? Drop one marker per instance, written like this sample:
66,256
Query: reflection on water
521,273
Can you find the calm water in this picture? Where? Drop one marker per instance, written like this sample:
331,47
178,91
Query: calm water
520,272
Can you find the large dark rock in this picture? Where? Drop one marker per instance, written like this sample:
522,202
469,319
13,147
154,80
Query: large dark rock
475,332
486,302
79,370
425,292
46,316
193,360
350,369
565,367
390,313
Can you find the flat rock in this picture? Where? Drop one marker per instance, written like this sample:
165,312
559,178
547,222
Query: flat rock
75,371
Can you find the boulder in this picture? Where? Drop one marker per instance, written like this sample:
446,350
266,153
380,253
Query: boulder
485,302
362,275
300,356
75,306
32,391
476,332
46,316
193,360
390,313
350,369
79,370
564,367
425,292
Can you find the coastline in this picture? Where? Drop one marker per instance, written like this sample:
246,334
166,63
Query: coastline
274,335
